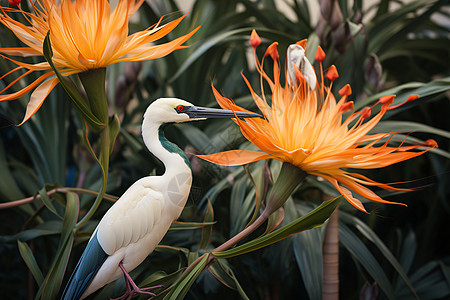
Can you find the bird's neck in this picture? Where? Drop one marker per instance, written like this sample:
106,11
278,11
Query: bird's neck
178,174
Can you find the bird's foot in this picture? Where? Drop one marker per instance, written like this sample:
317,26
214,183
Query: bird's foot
132,288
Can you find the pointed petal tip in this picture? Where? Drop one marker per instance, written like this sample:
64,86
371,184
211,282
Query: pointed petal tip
320,54
346,90
234,157
347,106
412,98
332,73
255,40
387,100
272,51
431,143
302,43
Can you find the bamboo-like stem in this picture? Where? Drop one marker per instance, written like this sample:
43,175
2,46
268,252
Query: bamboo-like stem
330,281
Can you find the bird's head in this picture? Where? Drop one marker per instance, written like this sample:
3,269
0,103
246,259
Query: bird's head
168,110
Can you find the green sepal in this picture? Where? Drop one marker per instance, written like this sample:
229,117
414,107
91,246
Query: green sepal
71,88
93,82
312,220
287,181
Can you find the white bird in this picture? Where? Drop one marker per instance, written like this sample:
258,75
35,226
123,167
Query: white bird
136,223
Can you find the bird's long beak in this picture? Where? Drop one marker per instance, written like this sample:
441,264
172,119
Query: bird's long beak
197,112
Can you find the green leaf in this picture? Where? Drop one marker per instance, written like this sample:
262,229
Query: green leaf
103,161
274,220
207,230
238,216
47,228
114,128
71,88
313,219
176,226
162,278
260,184
208,44
307,248
362,254
30,261
225,275
46,200
403,91
181,288
8,186
50,287
372,236
405,126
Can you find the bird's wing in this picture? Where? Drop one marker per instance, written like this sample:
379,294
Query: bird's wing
90,262
130,218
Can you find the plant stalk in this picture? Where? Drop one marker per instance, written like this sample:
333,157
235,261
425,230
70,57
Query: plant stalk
330,281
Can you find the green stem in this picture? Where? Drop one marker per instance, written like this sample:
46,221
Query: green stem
103,161
243,234
94,84
288,180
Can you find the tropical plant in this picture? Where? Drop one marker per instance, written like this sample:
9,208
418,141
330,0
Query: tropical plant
380,48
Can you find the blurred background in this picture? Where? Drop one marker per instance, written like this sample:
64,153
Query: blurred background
379,47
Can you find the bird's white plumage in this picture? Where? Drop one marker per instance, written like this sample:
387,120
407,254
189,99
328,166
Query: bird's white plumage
136,223
130,218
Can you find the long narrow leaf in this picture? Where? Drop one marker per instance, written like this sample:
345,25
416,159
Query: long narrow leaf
362,254
372,236
181,288
30,261
50,287
314,219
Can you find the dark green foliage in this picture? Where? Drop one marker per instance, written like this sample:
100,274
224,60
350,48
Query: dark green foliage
379,48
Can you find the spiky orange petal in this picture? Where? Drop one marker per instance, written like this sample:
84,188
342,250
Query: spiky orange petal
235,157
306,127
85,35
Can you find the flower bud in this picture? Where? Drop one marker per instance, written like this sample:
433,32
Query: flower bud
14,2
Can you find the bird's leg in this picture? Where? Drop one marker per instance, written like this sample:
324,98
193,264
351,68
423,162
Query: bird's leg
132,288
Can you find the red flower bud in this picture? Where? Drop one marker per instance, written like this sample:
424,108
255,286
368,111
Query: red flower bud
255,40
345,91
320,54
332,73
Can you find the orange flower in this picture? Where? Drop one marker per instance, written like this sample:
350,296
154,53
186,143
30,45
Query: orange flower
85,35
304,126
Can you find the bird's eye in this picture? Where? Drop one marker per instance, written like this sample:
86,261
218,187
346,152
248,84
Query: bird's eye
179,108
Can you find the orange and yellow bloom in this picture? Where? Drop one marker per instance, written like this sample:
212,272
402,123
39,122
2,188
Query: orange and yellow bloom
304,126
85,35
